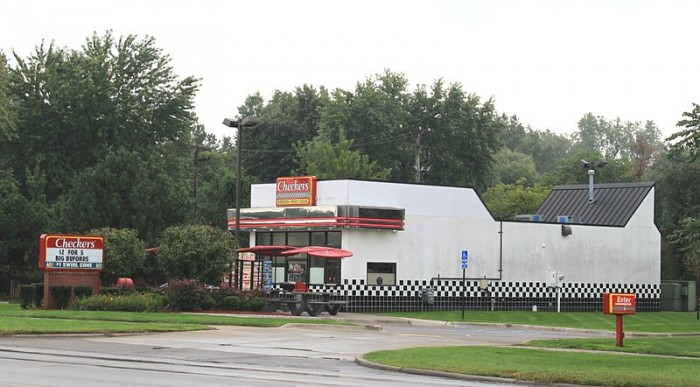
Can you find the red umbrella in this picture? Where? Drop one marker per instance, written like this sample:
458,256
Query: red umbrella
265,250
319,251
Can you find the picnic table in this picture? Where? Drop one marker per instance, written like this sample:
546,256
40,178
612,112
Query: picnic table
313,303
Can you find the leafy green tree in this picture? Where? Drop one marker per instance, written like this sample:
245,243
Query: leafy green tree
128,189
20,225
7,116
214,180
689,138
375,118
196,252
268,148
677,198
464,134
687,237
610,138
112,94
104,134
124,254
507,200
511,166
569,171
630,142
324,160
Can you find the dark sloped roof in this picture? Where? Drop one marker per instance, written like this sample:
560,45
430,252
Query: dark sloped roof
614,204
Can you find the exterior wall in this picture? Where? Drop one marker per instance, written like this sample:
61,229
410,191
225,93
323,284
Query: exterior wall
442,221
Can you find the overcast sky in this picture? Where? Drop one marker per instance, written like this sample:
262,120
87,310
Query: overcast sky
548,62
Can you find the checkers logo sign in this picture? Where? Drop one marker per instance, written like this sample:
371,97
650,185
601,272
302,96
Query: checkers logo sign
296,191
71,252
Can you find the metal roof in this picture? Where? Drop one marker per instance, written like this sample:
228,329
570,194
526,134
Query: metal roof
614,204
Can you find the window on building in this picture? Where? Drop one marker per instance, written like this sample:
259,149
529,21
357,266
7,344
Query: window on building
302,267
381,273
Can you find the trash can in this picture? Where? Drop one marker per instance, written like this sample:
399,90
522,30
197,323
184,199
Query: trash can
428,296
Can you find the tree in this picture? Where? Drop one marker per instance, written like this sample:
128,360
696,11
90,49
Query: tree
507,200
268,148
511,166
462,137
645,148
689,138
112,94
569,171
106,130
21,222
324,160
7,116
677,198
375,118
610,138
629,142
124,254
108,194
196,252
687,237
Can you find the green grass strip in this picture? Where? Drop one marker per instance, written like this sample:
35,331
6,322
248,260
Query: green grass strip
667,346
13,310
15,325
545,366
643,322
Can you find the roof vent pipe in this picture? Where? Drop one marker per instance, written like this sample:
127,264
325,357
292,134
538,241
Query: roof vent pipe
591,174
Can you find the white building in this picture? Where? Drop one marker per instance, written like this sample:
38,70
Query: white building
409,237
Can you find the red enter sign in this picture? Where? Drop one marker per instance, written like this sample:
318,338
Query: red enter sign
619,303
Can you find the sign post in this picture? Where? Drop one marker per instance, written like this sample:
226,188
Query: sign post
465,264
619,304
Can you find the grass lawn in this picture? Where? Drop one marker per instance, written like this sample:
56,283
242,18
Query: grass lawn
14,320
22,325
576,365
546,366
644,322
687,346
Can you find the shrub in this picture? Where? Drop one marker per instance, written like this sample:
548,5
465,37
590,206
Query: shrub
220,295
255,303
233,302
38,293
187,295
109,290
149,302
60,295
82,291
26,295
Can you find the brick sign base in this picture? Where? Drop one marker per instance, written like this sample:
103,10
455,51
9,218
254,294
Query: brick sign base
69,278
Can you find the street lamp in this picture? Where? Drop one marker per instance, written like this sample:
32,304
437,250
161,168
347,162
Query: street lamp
239,123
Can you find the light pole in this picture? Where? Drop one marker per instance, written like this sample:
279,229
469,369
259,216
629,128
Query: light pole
239,123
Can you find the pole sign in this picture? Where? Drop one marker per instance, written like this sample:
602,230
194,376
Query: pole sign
465,259
619,303
71,252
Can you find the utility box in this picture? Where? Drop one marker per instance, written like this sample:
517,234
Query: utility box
678,296
428,296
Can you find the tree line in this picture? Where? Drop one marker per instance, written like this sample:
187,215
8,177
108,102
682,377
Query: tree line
106,136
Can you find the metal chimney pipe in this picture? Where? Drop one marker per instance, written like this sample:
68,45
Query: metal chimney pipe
591,174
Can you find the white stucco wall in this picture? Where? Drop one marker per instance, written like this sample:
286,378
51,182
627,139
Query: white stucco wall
442,221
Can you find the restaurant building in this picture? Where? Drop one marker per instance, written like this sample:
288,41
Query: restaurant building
419,246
